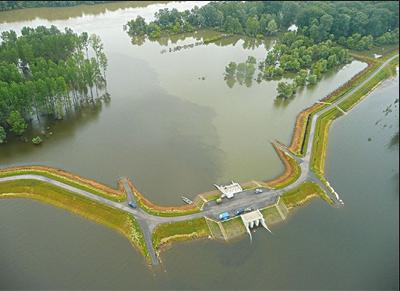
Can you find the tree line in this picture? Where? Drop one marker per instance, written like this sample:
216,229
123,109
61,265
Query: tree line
354,24
48,72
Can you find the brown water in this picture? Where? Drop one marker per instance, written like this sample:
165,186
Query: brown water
174,133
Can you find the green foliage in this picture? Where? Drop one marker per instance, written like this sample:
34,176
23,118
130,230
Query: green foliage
3,135
286,90
320,21
37,140
312,79
388,38
272,27
17,123
44,72
301,79
243,73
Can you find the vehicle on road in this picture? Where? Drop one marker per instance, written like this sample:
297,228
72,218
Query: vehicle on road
258,191
224,216
239,211
218,201
132,204
248,209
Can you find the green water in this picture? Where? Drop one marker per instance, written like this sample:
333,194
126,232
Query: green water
174,134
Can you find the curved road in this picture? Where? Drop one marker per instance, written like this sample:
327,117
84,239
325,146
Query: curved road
247,198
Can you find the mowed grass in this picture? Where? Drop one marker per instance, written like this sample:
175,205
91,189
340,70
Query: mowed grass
347,87
116,219
65,180
167,233
364,90
304,193
318,155
234,227
271,214
320,142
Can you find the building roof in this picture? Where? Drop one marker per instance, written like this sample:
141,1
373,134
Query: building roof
252,216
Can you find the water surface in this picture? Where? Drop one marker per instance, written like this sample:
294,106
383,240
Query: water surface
174,133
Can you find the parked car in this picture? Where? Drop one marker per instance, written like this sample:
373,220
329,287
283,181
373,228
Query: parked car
249,209
239,211
224,216
132,204
258,191
218,201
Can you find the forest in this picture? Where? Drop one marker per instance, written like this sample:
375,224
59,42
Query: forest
354,24
9,5
48,72
320,32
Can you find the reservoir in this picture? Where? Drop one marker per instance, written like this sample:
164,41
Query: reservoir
175,127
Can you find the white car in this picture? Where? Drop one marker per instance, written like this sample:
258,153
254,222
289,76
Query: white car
258,191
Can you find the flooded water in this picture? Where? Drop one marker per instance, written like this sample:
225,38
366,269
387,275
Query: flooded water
175,133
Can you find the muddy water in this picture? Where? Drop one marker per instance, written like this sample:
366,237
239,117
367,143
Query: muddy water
170,131
175,133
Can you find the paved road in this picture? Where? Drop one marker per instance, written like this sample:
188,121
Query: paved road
244,199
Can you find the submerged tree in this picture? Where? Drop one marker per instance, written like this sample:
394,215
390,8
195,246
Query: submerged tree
46,71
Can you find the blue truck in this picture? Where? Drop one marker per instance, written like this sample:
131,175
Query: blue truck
224,216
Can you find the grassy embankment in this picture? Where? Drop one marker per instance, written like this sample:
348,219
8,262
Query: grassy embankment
303,122
166,233
325,120
69,179
158,210
305,192
291,173
118,220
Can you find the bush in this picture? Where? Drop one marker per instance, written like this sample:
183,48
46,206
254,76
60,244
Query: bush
37,140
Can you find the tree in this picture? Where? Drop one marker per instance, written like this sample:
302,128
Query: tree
17,123
285,90
312,79
289,12
230,69
252,26
3,135
232,25
301,78
272,27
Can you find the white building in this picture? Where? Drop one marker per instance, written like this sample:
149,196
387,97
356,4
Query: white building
293,28
229,191
252,219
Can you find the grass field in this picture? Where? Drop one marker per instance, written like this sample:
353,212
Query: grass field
303,193
291,173
167,233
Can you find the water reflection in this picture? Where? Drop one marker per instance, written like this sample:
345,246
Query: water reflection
190,40
63,13
53,130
